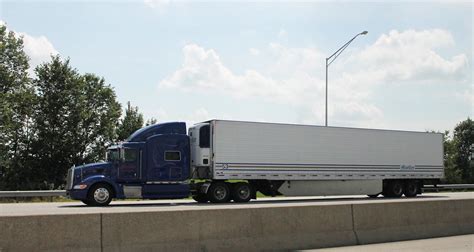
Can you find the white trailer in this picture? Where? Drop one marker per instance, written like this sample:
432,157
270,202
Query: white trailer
295,160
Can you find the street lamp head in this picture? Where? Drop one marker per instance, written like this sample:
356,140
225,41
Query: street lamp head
364,32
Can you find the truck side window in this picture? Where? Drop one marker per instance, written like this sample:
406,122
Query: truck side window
112,155
204,136
130,155
172,156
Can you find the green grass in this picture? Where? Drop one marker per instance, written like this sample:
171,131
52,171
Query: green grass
36,199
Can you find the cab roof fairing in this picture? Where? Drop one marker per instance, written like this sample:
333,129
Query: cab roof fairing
160,128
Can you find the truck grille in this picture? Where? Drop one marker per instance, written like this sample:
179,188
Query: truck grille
70,178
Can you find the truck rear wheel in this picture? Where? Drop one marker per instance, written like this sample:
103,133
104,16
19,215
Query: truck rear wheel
218,192
99,195
410,189
242,192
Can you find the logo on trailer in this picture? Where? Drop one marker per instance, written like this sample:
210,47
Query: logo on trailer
407,167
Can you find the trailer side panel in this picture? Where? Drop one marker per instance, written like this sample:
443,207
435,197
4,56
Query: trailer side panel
249,150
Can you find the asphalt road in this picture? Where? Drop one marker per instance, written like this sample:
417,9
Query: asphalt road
25,209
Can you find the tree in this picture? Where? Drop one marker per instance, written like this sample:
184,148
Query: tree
132,121
51,122
100,113
151,121
76,118
452,174
463,138
17,100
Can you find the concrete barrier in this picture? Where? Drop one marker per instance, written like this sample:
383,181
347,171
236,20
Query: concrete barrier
277,228
50,232
398,221
234,229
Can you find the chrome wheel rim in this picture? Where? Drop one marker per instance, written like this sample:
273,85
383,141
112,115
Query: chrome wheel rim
244,192
220,193
398,189
101,195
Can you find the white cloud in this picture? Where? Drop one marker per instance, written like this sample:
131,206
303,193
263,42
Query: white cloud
157,4
295,61
254,51
468,97
39,48
204,71
162,114
282,34
411,56
296,75
199,115
291,81
190,117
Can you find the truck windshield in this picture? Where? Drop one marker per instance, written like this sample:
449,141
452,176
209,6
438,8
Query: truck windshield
113,155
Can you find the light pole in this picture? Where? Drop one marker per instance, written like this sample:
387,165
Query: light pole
328,62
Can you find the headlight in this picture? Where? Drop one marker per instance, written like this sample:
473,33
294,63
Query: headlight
70,178
80,187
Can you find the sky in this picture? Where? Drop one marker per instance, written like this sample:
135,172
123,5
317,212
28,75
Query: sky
265,61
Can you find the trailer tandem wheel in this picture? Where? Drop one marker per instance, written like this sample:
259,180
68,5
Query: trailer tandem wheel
393,189
410,188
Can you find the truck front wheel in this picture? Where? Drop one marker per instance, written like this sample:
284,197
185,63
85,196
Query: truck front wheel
99,195
218,192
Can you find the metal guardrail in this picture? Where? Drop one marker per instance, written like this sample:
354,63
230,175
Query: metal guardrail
39,193
57,193
449,186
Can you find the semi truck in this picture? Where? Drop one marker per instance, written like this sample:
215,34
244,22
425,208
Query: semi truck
221,161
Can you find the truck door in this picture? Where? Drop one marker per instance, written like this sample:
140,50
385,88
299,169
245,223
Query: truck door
168,158
129,167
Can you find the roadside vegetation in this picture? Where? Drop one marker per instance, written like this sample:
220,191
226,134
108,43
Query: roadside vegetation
53,118
458,152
